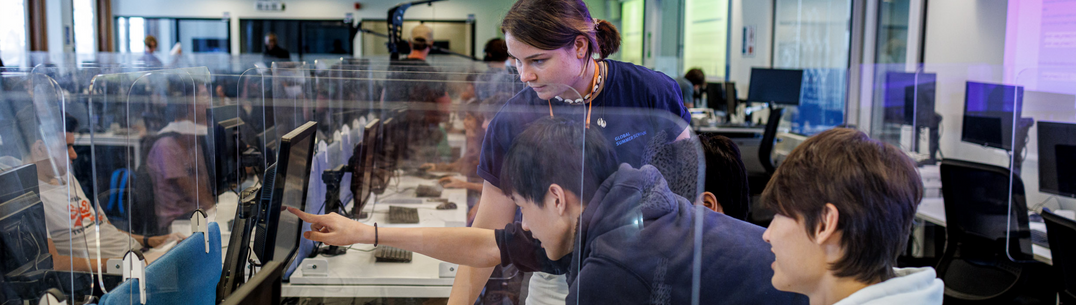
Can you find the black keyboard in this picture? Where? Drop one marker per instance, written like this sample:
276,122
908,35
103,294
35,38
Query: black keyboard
386,254
1039,238
402,214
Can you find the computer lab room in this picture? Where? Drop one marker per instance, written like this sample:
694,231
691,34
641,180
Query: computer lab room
540,152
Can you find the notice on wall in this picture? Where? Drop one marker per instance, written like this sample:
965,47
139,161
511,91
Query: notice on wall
748,41
706,36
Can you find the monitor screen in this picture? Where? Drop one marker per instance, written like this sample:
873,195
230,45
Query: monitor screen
362,167
909,98
279,231
989,113
263,287
23,235
1057,158
780,86
224,163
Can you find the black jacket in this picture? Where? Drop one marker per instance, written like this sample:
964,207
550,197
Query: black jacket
638,248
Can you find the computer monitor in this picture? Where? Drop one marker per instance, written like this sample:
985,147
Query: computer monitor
989,113
909,98
384,165
731,99
362,165
778,86
714,96
1057,158
263,288
226,157
278,232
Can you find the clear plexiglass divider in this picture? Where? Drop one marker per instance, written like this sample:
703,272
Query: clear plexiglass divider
48,223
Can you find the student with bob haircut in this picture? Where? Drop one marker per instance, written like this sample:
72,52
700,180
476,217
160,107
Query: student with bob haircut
844,206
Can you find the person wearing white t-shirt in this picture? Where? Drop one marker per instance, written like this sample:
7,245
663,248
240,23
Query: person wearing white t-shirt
68,214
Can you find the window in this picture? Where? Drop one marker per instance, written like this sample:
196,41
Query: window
85,27
303,39
13,32
195,35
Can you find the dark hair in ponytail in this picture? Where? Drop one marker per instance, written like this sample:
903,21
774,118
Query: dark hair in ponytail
608,38
554,24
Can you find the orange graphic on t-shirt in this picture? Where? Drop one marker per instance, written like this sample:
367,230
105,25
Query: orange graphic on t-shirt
81,212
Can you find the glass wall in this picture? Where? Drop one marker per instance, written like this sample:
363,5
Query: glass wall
815,35
706,37
303,39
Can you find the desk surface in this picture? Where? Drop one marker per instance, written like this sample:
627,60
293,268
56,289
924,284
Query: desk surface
355,274
933,210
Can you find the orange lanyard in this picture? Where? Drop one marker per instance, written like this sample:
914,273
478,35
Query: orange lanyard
594,94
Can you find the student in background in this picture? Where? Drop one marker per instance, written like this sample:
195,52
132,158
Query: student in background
845,205
273,50
692,84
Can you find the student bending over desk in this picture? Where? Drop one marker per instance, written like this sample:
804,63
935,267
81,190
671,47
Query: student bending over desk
633,250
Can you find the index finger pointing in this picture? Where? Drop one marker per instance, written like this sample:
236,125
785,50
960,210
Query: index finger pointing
303,215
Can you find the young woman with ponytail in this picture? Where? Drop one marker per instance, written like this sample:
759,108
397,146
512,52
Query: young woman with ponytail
556,45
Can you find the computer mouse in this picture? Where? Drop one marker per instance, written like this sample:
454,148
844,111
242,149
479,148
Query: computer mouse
446,206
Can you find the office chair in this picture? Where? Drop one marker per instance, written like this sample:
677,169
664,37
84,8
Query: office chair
1061,233
765,148
975,266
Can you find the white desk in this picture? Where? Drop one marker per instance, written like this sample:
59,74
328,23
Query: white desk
933,210
355,274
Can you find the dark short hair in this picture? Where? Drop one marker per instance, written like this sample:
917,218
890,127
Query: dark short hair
726,175
551,151
419,44
70,123
695,76
496,50
554,24
874,186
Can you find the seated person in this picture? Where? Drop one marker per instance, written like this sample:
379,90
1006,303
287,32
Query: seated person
68,212
725,185
177,165
634,250
844,205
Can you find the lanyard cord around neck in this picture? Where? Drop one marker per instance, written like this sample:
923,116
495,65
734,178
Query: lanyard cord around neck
600,73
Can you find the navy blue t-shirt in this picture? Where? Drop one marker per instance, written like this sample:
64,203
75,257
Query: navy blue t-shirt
636,104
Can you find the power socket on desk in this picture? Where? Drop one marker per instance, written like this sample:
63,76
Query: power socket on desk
448,270
314,267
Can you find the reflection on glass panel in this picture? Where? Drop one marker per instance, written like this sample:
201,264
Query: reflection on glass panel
814,35
12,31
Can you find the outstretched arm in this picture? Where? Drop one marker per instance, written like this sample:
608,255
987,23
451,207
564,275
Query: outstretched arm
465,246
